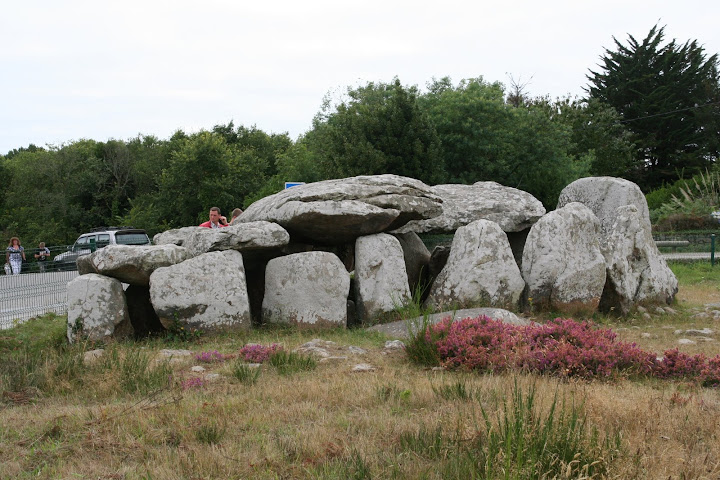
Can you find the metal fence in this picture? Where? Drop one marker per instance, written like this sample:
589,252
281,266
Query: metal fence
41,287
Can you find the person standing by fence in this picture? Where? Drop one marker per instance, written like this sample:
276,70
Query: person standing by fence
15,255
43,253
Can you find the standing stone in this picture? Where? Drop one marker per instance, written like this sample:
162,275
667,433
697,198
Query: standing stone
381,280
97,309
207,292
417,259
603,195
563,266
309,288
636,271
480,270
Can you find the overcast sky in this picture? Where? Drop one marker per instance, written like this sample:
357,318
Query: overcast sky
115,69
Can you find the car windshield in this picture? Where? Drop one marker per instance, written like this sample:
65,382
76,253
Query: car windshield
131,238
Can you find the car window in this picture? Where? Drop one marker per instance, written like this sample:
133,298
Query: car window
81,243
103,240
131,238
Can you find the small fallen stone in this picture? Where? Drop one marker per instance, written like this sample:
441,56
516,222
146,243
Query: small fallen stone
660,311
686,341
92,355
175,353
437,369
705,339
678,332
701,315
334,359
646,335
641,309
197,369
671,311
357,350
363,367
211,377
313,350
696,332
647,316
253,365
394,345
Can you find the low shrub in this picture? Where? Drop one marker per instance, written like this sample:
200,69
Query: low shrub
562,347
256,353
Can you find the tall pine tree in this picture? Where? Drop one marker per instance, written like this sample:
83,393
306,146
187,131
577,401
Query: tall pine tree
668,96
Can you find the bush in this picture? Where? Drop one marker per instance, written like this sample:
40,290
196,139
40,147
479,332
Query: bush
562,347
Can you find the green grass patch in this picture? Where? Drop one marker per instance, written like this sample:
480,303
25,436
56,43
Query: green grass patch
696,273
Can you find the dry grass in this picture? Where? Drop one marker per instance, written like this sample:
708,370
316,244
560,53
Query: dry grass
332,423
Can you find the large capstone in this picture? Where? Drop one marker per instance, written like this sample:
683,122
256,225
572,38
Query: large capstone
309,288
514,210
243,237
338,211
134,264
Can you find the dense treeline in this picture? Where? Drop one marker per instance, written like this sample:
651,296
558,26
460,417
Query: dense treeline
447,133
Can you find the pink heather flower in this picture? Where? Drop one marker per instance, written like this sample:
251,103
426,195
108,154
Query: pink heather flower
210,357
256,353
195,382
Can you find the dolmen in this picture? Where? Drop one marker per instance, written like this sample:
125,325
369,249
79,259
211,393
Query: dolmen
347,251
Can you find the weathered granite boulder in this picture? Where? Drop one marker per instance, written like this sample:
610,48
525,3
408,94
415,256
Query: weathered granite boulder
207,292
309,288
381,281
97,309
85,265
636,272
417,259
603,195
175,236
563,266
480,270
338,211
514,210
243,237
133,264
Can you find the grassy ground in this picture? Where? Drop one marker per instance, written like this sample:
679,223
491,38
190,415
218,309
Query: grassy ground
133,414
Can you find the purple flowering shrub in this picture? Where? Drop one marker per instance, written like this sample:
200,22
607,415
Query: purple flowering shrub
561,347
190,383
210,357
256,353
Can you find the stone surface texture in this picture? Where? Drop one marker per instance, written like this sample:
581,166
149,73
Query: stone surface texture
134,264
514,210
563,266
381,281
175,236
309,288
417,258
97,309
207,292
603,195
480,270
636,271
338,211
251,236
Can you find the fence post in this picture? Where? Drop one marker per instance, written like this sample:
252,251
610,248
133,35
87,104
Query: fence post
712,250
92,245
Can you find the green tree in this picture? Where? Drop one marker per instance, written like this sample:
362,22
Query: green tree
379,128
485,139
668,96
595,133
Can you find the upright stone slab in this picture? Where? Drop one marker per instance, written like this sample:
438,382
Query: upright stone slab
480,270
636,272
603,195
417,259
381,281
97,309
563,266
309,288
207,292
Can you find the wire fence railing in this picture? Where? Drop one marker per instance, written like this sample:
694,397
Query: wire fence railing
28,295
